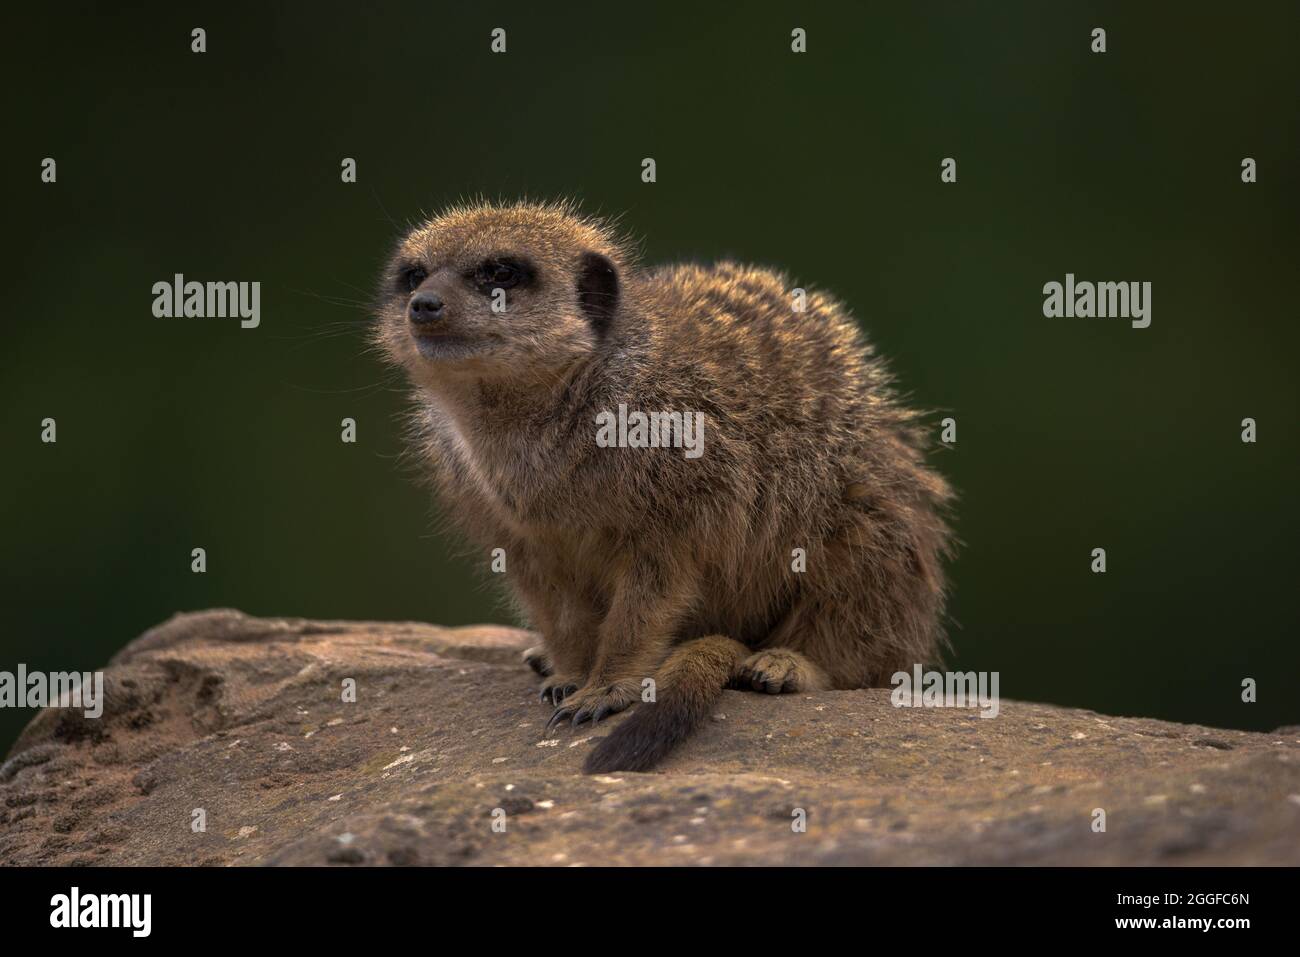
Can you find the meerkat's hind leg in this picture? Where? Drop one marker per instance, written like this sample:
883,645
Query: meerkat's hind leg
780,671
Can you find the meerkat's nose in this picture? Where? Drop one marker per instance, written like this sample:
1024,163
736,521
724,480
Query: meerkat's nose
425,308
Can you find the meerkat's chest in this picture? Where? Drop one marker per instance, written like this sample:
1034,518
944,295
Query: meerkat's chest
492,484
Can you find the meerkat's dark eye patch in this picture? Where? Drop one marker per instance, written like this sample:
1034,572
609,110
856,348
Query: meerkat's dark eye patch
503,272
598,290
410,276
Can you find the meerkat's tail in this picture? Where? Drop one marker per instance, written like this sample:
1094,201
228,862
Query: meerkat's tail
687,686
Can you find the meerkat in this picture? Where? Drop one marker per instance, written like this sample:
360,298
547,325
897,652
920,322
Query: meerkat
801,550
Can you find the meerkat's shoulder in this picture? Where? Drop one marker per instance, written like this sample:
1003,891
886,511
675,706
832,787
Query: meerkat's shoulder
723,276
740,286
731,299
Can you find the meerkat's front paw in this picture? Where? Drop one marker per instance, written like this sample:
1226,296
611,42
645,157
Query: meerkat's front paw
595,701
779,671
539,660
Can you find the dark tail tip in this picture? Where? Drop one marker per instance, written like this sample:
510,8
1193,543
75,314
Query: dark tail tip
691,680
648,734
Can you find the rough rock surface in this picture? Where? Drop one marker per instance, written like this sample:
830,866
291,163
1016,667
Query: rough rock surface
244,718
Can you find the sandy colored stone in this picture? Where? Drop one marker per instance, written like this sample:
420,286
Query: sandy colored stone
243,717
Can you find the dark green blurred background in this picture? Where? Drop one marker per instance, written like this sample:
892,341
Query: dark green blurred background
1072,434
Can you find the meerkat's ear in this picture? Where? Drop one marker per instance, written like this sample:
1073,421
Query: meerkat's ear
597,290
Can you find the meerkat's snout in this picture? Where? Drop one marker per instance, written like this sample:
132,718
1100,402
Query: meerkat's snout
441,323
425,310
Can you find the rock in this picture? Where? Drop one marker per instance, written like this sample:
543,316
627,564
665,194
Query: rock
243,720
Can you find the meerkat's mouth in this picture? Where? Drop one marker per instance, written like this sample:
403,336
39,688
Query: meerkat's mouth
445,347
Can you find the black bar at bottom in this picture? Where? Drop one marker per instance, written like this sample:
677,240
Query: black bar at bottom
563,908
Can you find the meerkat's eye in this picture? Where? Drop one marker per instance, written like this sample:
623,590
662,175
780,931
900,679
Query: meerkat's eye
410,277
499,274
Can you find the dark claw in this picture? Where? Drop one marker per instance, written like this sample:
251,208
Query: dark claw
601,712
557,693
560,715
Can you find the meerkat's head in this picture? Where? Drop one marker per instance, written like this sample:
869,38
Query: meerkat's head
496,290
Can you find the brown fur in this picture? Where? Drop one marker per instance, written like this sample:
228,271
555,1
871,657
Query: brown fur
617,555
